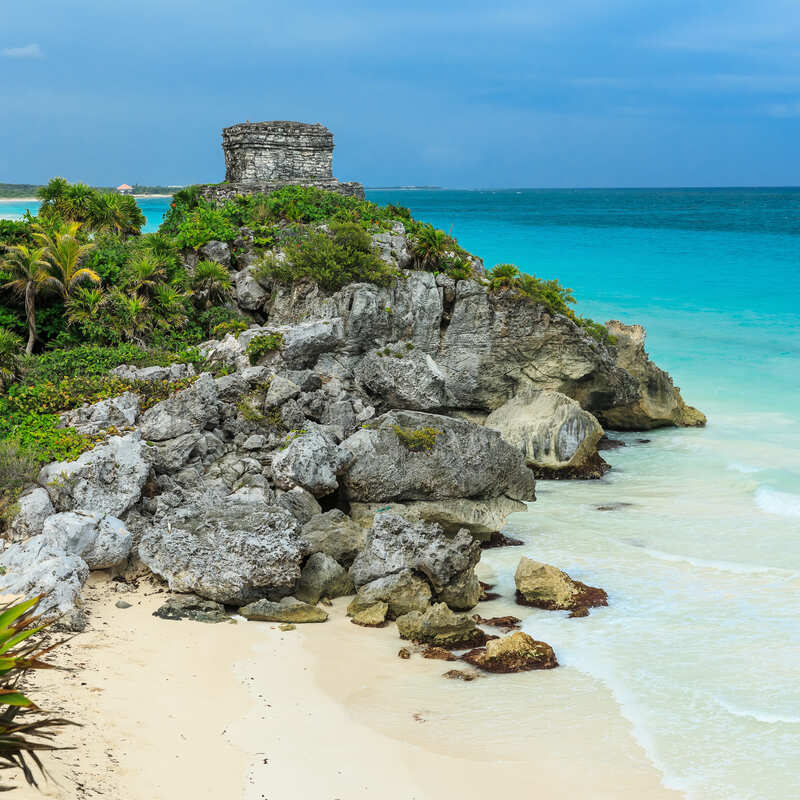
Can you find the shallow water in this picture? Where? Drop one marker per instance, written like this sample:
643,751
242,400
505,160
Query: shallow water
701,642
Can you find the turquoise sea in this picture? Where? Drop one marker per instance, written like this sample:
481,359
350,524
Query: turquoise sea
700,644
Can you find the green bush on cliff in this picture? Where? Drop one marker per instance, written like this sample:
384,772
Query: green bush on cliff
265,343
417,440
203,224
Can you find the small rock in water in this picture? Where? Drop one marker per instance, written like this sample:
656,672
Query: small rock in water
287,626
613,506
643,441
609,444
498,622
459,675
545,586
403,652
498,539
516,653
122,604
193,608
579,612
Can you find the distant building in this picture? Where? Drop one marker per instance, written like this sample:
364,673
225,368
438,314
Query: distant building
263,156
123,188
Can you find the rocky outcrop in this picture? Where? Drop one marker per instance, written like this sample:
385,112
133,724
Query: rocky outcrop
100,540
322,577
234,554
37,566
402,592
33,508
116,412
335,534
107,479
441,627
659,402
372,616
409,455
192,409
395,545
545,586
518,652
558,438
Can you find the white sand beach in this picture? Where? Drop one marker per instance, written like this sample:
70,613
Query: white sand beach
189,710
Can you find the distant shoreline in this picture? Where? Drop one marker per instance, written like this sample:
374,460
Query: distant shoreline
37,200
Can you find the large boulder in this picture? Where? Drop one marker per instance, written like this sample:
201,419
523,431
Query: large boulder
173,372
440,626
518,652
395,544
403,592
192,409
556,435
403,377
100,540
311,459
334,534
33,508
234,554
250,294
481,518
37,566
659,402
303,506
289,609
323,576
410,455
107,479
546,586
118,412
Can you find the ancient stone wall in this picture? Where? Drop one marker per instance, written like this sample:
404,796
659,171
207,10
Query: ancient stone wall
260,157
265,152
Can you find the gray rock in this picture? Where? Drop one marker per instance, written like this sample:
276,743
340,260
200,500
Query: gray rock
551,429
231,387
107,479
464,461
280,390
403,592
194,608
122,604
190,410
254,442
174,372
234,554
34,508
250,295
38,567
303,343
289,610
393,249
322,577
173,454
312,459
481,518
302,505
334,534
439,626
215,251
403,378
100,540
395,544
118,412
462,592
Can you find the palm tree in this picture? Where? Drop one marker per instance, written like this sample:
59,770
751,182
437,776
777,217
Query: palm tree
170,304
147,271
132,314
84,305
29,275
10,345
63,253
212,282
115,212
503,276
430,247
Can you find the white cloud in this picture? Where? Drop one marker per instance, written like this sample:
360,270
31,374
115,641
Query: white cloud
28,51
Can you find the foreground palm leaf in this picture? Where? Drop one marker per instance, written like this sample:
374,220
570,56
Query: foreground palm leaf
24,730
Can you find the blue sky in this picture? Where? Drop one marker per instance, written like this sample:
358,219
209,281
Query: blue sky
463,94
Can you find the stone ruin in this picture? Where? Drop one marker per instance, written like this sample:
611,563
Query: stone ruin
263,156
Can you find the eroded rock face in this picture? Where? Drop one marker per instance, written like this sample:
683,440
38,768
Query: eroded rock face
518,652
545,586
403,378
312,459
335,534
322,577
234,554
118,412
402,591
107,479
659,402
37,566
395,544
462,461
34,508
100,540
192,409
440,626
553,431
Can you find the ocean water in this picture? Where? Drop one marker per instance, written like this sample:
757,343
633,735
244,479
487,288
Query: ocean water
700,645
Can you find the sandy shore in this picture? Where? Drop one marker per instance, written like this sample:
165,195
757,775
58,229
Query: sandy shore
188,710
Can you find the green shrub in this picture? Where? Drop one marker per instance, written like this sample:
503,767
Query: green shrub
264,343
203,224
18,469
40,435
416,440
224,328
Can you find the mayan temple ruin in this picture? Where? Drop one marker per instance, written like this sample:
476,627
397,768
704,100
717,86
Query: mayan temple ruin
263,156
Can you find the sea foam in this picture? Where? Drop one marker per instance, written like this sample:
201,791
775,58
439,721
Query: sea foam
783,504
